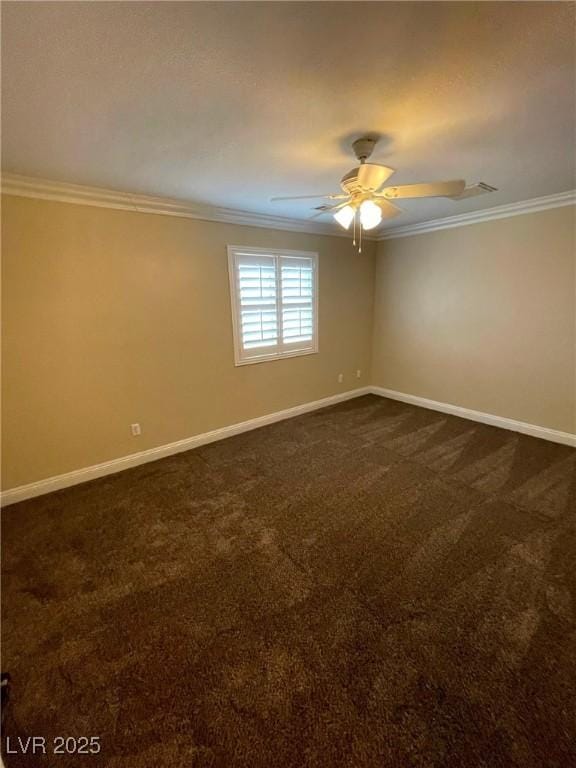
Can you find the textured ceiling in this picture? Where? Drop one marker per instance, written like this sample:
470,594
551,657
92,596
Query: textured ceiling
232,103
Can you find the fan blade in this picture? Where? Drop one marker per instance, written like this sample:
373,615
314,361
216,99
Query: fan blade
474,190
335,196
329,210
434,189
389,210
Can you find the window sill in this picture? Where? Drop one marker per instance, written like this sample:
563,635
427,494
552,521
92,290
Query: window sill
272,358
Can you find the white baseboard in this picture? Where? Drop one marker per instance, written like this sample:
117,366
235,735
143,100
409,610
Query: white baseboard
554,435
56,483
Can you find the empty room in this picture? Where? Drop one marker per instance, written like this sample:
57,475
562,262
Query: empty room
288,384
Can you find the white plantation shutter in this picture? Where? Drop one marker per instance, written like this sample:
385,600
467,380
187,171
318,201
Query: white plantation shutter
297,285
274,296
258,300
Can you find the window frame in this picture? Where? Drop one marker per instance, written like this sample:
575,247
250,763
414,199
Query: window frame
280,353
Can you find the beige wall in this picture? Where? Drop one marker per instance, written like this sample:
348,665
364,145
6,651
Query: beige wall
483,316
113,317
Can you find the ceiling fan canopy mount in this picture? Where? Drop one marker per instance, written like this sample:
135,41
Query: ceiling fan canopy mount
364,147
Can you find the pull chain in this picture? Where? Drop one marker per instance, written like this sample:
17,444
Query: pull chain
359,232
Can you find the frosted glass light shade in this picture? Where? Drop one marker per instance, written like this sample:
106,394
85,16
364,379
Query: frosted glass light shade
344,216
370,215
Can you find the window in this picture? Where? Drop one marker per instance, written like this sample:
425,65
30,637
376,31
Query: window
274,303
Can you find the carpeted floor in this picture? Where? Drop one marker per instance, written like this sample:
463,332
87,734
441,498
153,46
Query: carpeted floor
373,584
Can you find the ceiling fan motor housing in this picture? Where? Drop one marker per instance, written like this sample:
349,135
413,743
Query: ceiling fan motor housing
367,177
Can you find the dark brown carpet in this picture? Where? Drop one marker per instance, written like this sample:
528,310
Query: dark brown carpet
373,584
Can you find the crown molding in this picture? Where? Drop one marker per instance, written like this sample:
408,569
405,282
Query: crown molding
488,214
79,194
44,189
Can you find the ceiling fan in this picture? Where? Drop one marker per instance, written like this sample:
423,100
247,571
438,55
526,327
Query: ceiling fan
367,199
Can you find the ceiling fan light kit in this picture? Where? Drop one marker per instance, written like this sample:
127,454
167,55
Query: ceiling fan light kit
367,199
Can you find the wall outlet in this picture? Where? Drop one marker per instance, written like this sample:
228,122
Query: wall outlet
135,429
358,373
340,378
